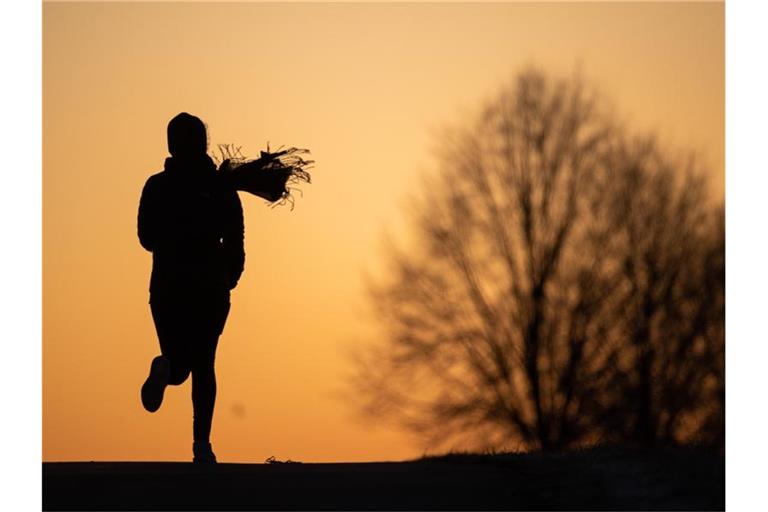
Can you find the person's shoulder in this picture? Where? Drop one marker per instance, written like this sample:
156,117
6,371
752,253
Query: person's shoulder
232,196
223,190
157,179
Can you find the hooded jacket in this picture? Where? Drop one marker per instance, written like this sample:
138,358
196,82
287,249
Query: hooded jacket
194,228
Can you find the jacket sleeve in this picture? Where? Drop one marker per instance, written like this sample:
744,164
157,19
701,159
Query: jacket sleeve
233,240
147,222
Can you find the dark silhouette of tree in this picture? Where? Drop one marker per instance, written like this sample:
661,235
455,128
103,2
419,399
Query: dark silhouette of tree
670,341
564,285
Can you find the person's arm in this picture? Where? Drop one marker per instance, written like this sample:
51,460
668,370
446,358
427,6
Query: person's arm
147,222
233,240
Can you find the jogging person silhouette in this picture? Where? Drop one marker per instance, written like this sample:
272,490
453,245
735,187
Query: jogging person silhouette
194,228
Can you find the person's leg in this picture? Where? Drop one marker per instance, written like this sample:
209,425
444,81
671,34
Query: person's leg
172,367
204,377
173,332
203,399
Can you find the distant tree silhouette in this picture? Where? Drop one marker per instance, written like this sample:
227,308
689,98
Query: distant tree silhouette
669,242
565,285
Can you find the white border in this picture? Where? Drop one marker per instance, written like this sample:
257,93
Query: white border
21,253
746,254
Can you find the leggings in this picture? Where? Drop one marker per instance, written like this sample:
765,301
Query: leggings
188,328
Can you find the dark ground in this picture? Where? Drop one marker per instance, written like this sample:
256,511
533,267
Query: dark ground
599,479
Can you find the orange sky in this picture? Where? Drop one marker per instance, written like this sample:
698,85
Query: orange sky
364,86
